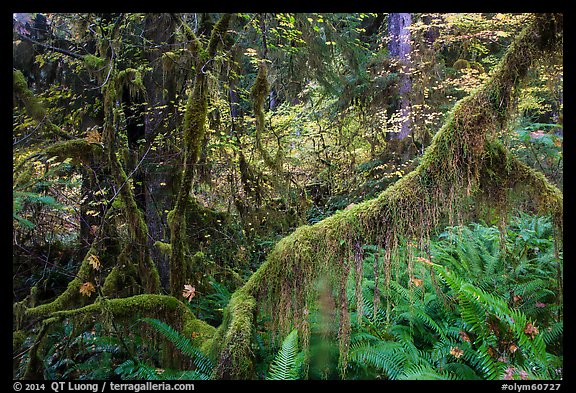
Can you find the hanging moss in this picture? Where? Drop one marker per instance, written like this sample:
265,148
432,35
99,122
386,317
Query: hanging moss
450,172
138,229
194,129
259,92
130,78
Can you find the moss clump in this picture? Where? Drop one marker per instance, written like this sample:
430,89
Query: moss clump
93,63
132,79
461,64
18,338
164,248
33,105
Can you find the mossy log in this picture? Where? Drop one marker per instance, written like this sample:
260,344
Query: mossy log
455,167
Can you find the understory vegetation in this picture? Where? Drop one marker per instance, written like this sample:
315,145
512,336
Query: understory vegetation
283,196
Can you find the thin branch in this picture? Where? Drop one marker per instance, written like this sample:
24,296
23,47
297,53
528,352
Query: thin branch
50,47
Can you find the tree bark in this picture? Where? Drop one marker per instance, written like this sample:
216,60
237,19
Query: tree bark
158,120
399,47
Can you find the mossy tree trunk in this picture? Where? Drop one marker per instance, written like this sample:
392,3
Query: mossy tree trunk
194,128
463,161
159,120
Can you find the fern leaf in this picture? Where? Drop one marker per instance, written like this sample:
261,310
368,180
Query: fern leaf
283,367
201,361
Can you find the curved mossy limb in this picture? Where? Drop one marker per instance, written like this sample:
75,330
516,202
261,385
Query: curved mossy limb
79,150
163,307
71,297
33,105
148,305
452,171
233,339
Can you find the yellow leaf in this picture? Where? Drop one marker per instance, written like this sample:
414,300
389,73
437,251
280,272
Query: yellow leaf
456,352
87,289
93,136
94,261
424,260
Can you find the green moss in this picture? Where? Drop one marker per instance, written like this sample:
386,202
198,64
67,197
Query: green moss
132,79
80,150
71,297
461,64
233,339
32,104
18,338
148,305
94,63
164,248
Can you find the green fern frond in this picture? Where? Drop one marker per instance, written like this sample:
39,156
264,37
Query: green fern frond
202,363
425,372
129,370
483,362
461,371
385,356
553,334
284,365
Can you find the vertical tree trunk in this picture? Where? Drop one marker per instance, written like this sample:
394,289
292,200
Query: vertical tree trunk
399,47
194,128
160,92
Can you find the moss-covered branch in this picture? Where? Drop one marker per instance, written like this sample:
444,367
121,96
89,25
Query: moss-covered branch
79,150
71,296
33,105
147,305
110,311
450,172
